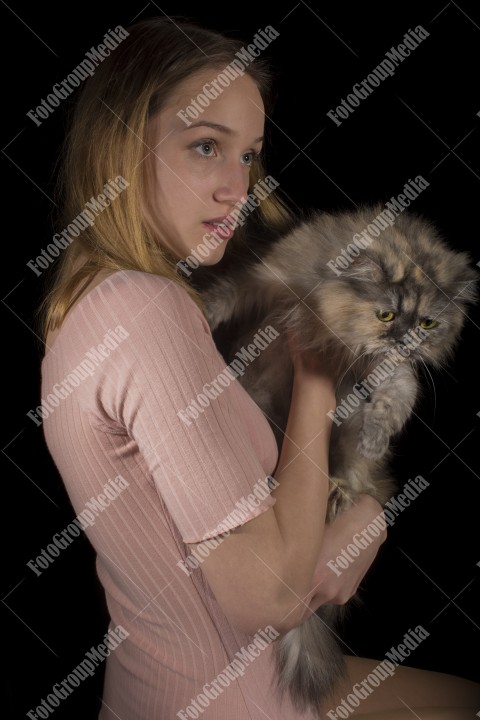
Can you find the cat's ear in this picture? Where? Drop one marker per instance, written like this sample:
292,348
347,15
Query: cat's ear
466,284
365,268
467,290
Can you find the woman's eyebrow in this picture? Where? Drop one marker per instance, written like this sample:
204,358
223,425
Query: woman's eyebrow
217,126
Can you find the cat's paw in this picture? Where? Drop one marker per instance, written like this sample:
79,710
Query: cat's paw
373,441
339,497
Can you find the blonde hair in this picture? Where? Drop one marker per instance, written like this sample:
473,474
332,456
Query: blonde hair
105,140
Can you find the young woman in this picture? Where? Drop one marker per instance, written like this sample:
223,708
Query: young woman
128,351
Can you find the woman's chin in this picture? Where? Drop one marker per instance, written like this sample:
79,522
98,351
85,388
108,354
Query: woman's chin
214,257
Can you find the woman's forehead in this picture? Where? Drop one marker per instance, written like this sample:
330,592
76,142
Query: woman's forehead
201,98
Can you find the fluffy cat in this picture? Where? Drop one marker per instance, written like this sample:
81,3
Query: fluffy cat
381,306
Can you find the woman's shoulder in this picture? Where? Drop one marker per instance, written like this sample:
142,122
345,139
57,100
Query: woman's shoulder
126,297
129,291
132,292
137,283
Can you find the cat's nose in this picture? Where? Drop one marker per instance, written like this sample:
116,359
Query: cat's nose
402,326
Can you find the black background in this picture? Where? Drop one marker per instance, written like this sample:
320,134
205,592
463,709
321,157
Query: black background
423,120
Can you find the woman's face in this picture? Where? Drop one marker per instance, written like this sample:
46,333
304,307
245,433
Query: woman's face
199,172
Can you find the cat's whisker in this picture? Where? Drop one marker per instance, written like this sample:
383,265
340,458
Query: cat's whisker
441,364
351,365
430,378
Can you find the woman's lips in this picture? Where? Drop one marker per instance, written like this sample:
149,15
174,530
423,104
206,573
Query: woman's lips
224,232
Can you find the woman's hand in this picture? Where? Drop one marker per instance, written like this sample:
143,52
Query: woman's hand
311,364
333,584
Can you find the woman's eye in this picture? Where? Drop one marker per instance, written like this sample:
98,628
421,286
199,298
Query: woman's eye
385,315
427,323
205,148
208,149
250,157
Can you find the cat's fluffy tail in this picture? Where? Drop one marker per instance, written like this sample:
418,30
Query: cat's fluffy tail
310,662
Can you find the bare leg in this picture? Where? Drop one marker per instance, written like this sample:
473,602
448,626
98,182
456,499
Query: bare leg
406,690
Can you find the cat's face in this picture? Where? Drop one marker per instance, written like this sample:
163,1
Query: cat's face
407,284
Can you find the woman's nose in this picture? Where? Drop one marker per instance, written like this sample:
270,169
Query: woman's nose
232,186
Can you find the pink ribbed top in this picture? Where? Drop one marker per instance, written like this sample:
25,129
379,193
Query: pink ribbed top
183,482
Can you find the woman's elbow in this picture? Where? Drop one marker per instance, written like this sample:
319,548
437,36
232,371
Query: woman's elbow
281,611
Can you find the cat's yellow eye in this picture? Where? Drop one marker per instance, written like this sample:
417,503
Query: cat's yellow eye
385,315
427,323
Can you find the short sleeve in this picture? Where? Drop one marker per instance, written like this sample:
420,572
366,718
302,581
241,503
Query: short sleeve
206,444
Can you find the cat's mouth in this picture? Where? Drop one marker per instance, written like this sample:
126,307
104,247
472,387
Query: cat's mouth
383,351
